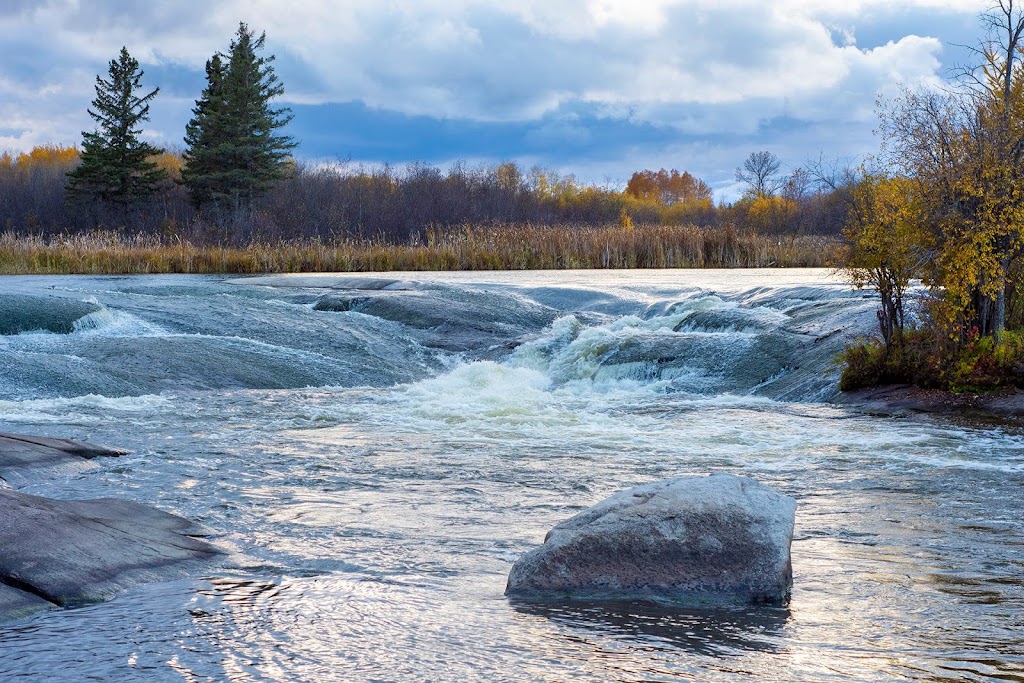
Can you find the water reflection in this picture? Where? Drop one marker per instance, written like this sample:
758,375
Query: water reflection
709,631
238,591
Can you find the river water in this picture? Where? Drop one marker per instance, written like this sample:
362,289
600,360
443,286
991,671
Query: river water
378,450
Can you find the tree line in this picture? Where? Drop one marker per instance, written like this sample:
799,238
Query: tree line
232,153
397,203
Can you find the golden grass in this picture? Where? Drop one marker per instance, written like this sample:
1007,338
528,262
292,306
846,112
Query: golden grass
512,247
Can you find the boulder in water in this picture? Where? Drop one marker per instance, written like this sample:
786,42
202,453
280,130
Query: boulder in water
721,538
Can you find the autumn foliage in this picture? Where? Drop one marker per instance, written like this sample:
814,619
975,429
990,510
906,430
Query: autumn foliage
669,187
948,207
38,159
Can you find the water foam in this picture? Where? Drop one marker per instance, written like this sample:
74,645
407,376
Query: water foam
87,409
638,351
484,390
113,323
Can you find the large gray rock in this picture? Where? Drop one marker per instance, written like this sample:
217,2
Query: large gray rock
61,553
25,458
721,538
71,552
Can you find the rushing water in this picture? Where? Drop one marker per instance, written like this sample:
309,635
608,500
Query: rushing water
378,451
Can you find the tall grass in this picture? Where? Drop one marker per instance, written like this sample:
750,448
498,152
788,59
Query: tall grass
508,247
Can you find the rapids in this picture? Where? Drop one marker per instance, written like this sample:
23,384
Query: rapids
378,450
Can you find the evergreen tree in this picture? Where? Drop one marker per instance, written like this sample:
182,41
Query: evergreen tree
233,153
206,138
115,164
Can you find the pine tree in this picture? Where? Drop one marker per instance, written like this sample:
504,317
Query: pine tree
233,154
206,136
115,164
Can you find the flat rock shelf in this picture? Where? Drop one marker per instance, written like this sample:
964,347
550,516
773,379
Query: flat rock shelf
25,458
64,553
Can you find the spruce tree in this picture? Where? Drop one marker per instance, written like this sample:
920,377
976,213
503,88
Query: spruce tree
115,164
233,152
206,139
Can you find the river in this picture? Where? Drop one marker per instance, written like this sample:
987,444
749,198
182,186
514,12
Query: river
377,450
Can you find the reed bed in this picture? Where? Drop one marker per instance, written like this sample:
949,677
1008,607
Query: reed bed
508,247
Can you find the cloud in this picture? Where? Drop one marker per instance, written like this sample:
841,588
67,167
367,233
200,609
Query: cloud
490,61
721,70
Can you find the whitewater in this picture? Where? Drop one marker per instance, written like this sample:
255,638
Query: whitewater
376,450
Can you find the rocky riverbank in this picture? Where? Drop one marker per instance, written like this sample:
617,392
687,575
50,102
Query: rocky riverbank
1006,405
64,553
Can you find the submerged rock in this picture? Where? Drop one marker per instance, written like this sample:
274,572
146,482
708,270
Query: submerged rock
70,552
339,304
24,458
449,318
721,538
20,314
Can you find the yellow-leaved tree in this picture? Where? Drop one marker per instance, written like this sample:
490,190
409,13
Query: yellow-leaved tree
888,245
965,147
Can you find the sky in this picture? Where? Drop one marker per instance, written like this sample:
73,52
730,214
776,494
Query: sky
596,88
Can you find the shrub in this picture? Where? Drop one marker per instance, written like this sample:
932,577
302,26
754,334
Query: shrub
911,359
987,363
984,364
863,365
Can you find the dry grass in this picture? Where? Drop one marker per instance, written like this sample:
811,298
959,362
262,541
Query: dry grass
513,247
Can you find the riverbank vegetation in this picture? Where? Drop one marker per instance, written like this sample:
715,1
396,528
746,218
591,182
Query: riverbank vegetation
331,217
509,247
946,205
